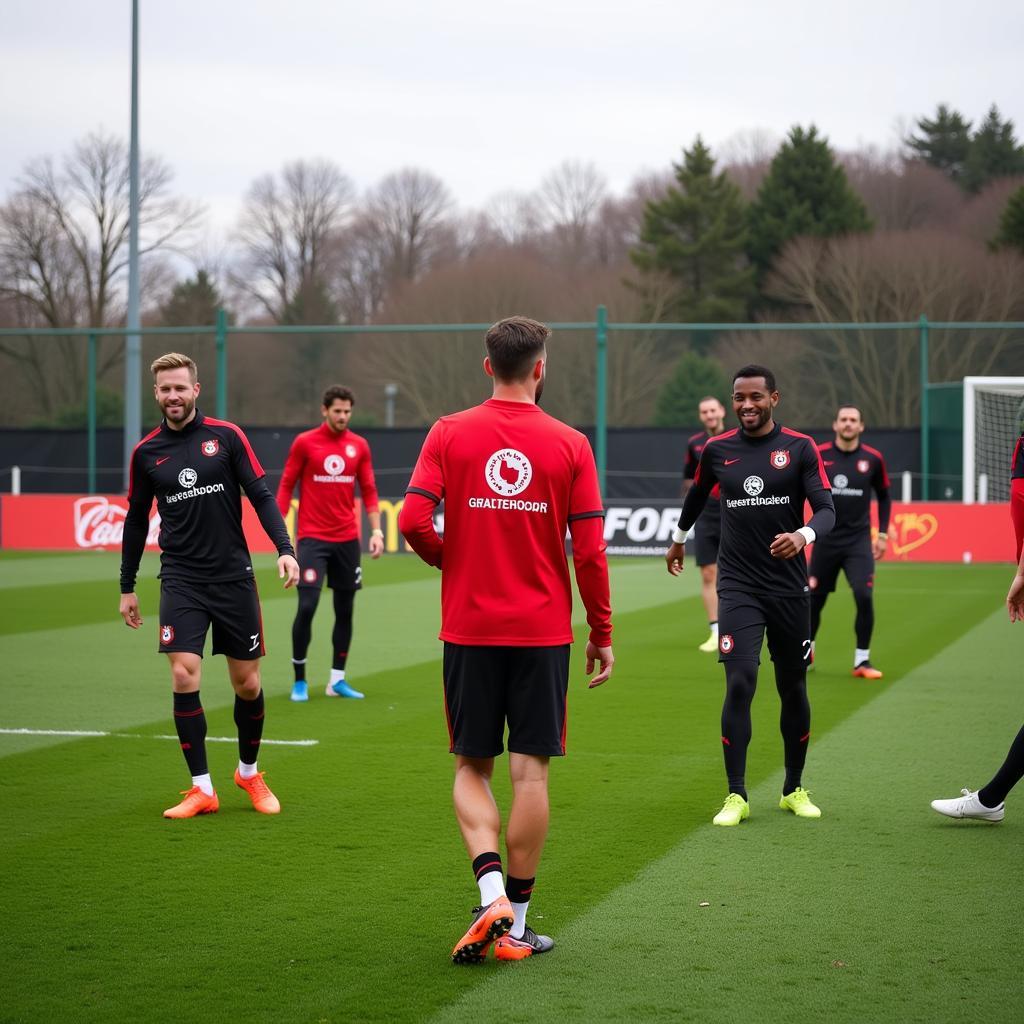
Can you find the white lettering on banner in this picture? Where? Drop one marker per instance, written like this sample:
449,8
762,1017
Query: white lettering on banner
513,504
640,524
100,524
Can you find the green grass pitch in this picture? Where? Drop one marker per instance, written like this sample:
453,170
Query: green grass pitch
345,907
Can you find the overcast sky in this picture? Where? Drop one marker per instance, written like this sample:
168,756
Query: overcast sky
487,96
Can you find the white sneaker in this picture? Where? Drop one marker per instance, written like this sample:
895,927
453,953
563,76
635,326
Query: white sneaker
968,806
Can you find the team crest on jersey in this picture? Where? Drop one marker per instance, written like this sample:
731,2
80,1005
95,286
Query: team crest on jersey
334,465
166,634
725,643
350,451
309,576
508,472
863,465
753,485
841,481
188,477
210,447
780,458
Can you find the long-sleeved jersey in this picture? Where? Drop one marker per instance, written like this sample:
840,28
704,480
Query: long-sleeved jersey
854,475
197,475
327,465
694,446
764,483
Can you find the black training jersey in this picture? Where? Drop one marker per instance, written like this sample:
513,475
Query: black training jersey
854,475
1017,462
196,475
764,483
694,446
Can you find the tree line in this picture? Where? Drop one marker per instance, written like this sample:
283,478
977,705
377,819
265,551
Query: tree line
767,230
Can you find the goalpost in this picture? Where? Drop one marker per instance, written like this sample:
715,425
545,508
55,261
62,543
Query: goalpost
993,420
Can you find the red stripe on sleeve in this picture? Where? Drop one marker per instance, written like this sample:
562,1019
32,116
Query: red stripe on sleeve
131,462
881,462
253,461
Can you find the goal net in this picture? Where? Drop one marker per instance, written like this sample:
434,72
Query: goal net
993,420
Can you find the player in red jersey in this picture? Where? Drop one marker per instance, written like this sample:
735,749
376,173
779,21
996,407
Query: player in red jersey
708,528
766,473
326,463
513,480
196,467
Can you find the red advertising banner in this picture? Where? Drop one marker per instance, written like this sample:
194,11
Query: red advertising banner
922,532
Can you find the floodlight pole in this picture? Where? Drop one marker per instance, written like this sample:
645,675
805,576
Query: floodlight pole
132,342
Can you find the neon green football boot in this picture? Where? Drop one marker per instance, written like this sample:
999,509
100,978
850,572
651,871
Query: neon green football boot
734,810
799,802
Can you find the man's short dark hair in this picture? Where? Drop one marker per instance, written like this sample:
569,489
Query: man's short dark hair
336,391
850,405
753,370
514,345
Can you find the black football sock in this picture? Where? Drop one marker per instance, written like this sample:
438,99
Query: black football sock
740,683
864,624
1011,772
794,722
302,627
300,670
190,723
249,719
817,606
341,637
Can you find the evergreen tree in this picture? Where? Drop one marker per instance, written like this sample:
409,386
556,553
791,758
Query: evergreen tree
696,234
192,303
694,378
1011,224
805,193
994,152
944,142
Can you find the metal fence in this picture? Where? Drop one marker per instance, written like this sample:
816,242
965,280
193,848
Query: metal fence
602,372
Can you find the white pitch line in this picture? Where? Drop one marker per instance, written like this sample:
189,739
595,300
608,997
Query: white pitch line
142,736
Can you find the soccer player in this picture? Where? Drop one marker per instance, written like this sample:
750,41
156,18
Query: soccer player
987,803
196,468
766,472
708,528
854,470
513,480
326,463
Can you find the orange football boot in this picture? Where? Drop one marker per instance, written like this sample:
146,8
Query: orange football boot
259,793
195,802
507,948
865,670
490,923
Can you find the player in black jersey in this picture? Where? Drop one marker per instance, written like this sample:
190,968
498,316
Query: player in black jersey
854,470
1017,493
766,473
708,528
196,468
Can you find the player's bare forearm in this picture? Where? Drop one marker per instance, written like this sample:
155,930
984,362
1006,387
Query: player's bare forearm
675,559
788,545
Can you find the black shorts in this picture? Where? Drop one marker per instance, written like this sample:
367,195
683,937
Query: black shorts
855,560
335,561
187,610
708,534
745,619
485,687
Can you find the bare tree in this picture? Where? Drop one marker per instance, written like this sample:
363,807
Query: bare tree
746,156
285,230
570,197
411,207
64,254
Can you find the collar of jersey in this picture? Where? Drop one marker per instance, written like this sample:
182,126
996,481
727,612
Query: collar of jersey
189,427
504,403
764,438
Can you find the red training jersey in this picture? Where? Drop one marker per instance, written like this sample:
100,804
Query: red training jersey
326,466
513,479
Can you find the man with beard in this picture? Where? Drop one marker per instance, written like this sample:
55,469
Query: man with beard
708,528
196,468
765,472
854,470
513,481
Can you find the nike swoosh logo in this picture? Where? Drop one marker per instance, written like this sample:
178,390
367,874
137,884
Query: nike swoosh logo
729,462
164,459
